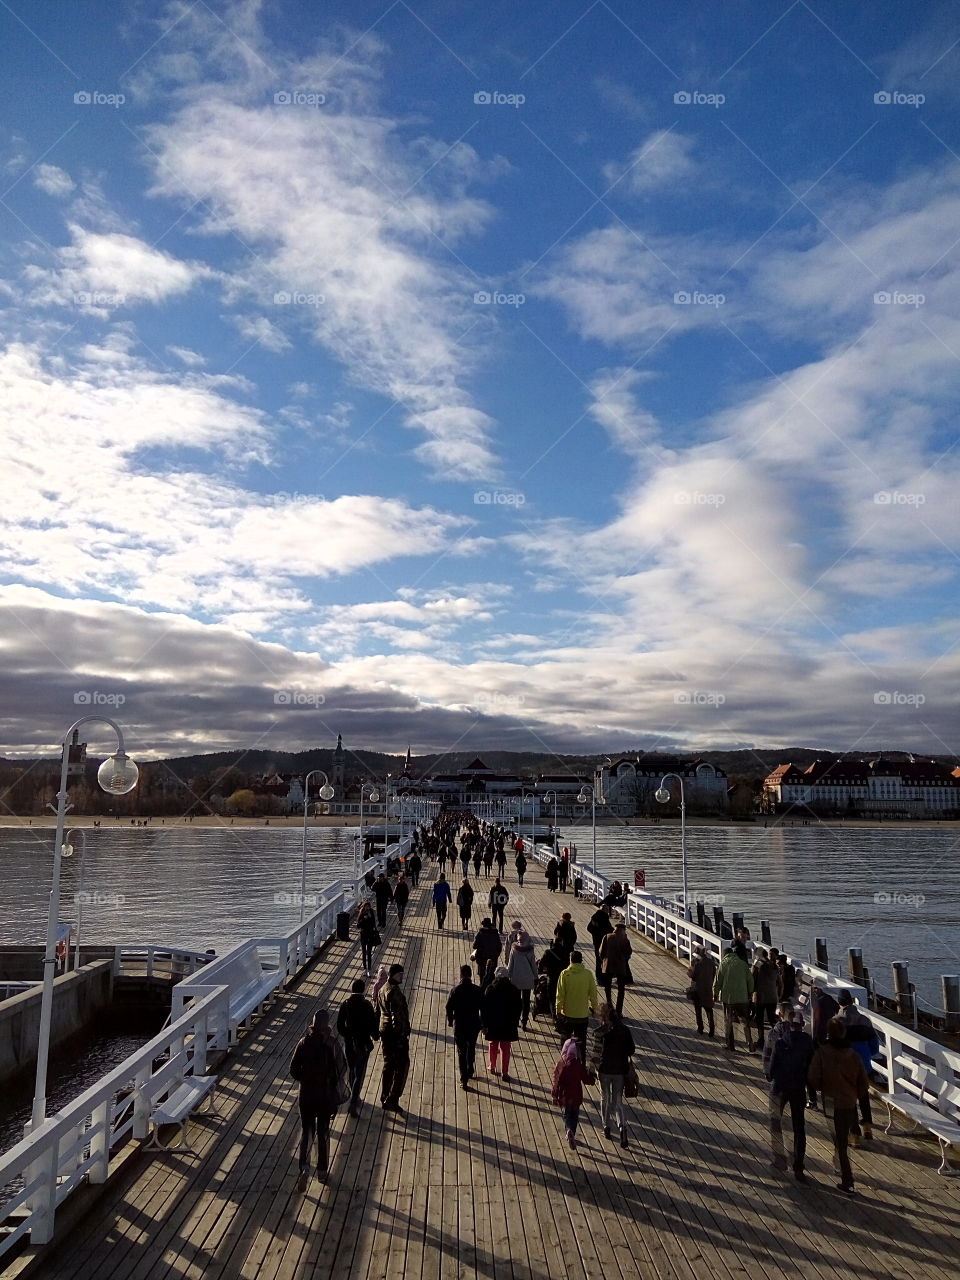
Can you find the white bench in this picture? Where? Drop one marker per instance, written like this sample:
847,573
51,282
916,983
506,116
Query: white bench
250,987
177,1109
941,1118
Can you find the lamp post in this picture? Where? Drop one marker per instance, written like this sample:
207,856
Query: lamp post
326,793
117,775
548,795
373,796
582,799
532,797
67,852
663,795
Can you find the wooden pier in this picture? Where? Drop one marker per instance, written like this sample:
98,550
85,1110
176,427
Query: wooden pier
482,1184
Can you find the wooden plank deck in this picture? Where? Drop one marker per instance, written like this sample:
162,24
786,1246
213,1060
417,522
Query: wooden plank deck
482,1184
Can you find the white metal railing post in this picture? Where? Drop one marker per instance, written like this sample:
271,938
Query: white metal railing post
100,1142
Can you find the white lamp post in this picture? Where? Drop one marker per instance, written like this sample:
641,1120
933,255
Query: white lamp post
117,775
552,795
532,797
663,795
373,796
582,799
326,793
67,852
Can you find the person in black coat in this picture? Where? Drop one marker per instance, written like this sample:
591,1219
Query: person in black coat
358,1027
401,896
565,937
487,945
382,894
464,1015
414,866
598,927
552,964
465,902
501,1010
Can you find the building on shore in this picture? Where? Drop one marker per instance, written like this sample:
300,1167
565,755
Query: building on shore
879,788
628,785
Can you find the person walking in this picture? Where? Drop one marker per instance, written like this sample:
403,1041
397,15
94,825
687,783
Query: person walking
611,1050
837,1072
563,871
394,1040
488,859
319,1066
500,1013
442,896
576,997
382,894
465,903
552,874
863,1039
414,867
702,972
565,936
786,977
369,936
464,1015
569,1077
733,987
765,990
477,860
550,965
486,945
465,858
598,926
500,858
401,896
520,862
787,1055
615,953
521,966
358,1027
497,902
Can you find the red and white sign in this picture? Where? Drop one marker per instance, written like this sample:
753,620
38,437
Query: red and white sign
639,879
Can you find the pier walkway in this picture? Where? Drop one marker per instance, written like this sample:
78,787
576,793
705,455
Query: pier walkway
482,1184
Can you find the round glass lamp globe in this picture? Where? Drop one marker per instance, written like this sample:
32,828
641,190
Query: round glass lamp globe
582,798
327,792
663,795
118,774
373,797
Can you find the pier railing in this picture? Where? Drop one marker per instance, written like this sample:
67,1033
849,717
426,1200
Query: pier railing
82,1143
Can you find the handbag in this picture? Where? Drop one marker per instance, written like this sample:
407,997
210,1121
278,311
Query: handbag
631,1083
375,938
691,992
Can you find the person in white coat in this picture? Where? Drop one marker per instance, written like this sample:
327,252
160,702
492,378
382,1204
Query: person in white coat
521,966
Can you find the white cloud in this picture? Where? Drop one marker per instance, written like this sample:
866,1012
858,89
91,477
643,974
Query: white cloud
53,180
262,331
664,159
191,359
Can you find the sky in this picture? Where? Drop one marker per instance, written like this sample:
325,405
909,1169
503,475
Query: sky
556,377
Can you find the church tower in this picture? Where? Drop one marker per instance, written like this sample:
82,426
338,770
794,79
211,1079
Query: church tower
336,776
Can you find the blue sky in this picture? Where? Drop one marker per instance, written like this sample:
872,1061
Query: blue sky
557,376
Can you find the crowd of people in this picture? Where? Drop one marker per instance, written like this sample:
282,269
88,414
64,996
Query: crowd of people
506,985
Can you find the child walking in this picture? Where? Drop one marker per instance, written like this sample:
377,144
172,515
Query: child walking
569,1077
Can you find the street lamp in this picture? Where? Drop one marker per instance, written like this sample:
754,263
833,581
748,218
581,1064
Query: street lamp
67,852
663,795
326,793
532,797
373,796
547,795
117,775
582,799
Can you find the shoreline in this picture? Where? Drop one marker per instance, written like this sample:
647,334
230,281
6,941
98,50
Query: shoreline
48,822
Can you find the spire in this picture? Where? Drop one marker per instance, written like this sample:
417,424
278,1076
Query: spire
407,762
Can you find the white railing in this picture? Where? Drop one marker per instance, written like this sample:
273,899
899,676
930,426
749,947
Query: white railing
595,886
79,1143
153,960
